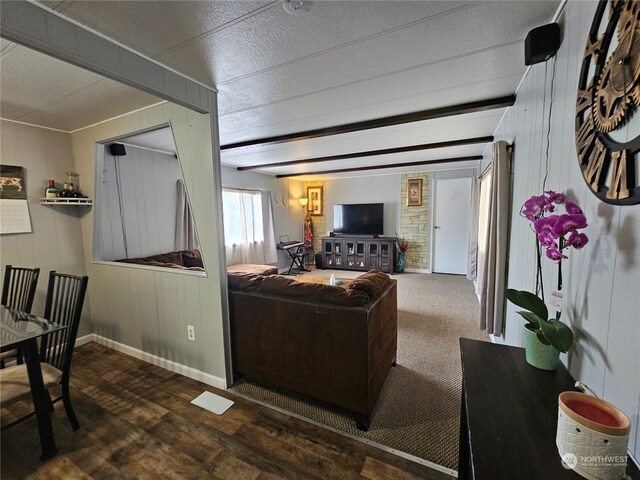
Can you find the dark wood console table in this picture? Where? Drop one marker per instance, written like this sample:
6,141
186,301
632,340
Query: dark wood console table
358,253
509,416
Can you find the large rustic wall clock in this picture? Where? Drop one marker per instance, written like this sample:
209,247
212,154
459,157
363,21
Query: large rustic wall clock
607,133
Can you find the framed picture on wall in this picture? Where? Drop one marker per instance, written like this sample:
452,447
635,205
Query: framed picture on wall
314,194
12,184
414,192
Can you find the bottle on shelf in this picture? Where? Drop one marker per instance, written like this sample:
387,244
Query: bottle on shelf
74,179
73,193
65,193
51,191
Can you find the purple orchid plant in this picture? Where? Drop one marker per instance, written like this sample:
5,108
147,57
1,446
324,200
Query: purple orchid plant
556,233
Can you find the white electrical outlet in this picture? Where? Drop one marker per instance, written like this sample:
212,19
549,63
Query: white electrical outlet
191,333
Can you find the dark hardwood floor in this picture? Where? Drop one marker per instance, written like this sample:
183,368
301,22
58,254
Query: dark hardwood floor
137,422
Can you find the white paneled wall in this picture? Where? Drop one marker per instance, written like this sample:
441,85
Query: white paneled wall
375,189
602,282
148,310
288,215
147,199
56,240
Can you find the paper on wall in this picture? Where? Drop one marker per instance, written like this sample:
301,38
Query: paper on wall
14,216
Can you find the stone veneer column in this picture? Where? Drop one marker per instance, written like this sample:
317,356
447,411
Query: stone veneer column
319,222
414,223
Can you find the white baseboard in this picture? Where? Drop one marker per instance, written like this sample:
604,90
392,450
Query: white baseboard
170,365
84,339
417,270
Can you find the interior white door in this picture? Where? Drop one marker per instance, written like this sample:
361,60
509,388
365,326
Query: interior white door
451,199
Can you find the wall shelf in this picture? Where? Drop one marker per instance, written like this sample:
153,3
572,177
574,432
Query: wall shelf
78,202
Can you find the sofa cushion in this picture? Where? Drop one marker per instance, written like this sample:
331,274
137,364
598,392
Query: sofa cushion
371,283
255,269
191,258
171,257
289,287
244,281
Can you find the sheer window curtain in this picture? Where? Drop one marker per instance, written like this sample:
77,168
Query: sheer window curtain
493,260
248,227
483,220
472,259
185,238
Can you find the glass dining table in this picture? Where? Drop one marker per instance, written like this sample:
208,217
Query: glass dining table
22,330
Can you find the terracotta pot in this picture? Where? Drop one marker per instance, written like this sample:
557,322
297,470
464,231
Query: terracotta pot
539,355
592,436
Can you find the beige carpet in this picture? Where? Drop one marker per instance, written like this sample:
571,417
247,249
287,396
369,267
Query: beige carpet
418,411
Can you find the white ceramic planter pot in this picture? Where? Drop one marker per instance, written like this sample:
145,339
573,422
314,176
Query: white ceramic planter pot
592,436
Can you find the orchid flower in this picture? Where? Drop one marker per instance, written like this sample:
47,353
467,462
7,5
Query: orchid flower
552,230
577,240
557,233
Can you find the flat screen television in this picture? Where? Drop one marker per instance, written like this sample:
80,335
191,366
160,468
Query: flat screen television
358,219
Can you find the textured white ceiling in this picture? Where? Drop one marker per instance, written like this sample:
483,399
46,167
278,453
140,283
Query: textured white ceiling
344,61
41,90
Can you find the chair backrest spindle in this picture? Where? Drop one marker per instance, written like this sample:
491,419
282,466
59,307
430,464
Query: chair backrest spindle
19,287
65,298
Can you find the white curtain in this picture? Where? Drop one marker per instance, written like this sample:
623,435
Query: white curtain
483,224
270,253
492,283
185,238
472,259
248,227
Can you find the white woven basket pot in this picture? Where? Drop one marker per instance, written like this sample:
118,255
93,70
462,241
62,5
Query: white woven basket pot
592,436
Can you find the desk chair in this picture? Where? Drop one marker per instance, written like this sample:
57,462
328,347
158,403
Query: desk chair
65,298
18,290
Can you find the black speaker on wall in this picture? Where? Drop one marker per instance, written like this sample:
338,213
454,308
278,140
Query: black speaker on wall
541,44
117,150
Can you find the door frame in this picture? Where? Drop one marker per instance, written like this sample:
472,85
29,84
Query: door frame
432,202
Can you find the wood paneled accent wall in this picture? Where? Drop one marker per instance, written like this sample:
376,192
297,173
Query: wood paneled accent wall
601,282
147,199
146,311
56,240
415,223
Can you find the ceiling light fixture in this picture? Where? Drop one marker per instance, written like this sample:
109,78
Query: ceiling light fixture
297,7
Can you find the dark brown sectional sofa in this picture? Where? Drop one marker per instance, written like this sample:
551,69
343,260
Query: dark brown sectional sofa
330,344
183,260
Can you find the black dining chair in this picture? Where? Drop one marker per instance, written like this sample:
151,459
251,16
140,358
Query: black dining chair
65,298
18,291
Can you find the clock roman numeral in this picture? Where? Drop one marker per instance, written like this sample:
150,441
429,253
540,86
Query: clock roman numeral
585,139
613,5
584,99
593,49
618,188
593,171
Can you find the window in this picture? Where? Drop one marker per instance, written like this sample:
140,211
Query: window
242,216
249,234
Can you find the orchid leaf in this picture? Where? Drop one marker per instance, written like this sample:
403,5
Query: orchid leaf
531,318
541,338
557,334
527,300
